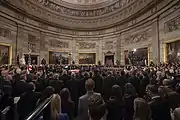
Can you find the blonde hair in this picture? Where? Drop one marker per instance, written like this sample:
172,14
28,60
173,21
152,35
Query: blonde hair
55,107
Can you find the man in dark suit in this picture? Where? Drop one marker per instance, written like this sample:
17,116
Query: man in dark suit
159,106
65,77
56,83
27,102
83,100
121,80
20,86
98,82
72,86
109,81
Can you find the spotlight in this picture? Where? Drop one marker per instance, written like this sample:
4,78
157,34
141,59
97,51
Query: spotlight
135,50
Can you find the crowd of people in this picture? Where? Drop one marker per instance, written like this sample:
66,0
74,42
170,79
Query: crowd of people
92,92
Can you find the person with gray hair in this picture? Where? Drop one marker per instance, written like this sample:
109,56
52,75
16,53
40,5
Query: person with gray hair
56,76
56,83
65,77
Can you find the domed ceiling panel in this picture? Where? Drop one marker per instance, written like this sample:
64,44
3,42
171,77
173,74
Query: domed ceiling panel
84,2
90,16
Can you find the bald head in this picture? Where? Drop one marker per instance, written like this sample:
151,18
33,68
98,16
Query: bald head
89,84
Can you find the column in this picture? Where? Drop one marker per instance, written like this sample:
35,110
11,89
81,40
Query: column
155,42
73,55
118,48
122,44
44,53
20,41
100,50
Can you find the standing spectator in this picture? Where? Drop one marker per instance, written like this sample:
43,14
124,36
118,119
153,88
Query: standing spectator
159,106
97,108
98,81
72,86
115,104
141,110
109,81
129,96
55,109
83,100
66,103
29,97
46,94
56,83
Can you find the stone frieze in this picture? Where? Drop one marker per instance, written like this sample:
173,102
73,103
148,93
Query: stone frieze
75,22
83,13
172,25
109,45
86,45
5,32
58,44
139,37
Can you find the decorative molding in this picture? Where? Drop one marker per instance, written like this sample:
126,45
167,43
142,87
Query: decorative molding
58,44
83,13
32,41
85,2
86,45
132,8
5,32
109,53
172,25
109,45
139,37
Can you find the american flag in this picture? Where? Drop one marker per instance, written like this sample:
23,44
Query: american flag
29,68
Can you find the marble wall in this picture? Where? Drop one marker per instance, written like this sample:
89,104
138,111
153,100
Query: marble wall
23,34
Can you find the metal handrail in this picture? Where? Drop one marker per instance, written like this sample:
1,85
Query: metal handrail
39,109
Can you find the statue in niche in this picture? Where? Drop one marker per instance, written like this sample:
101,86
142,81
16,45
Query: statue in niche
22,60
99,62
117,62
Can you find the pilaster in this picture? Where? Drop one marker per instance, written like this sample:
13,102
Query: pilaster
155,42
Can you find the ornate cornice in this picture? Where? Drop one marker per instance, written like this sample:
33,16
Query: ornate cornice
65,16
84,6
86,12
50,21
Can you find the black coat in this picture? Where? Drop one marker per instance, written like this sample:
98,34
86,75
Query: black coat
72,86
27,104
19,88
160,109
56,84
128,111
135,82
121,81
115,109
65,78
98,83
41,85
107,86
